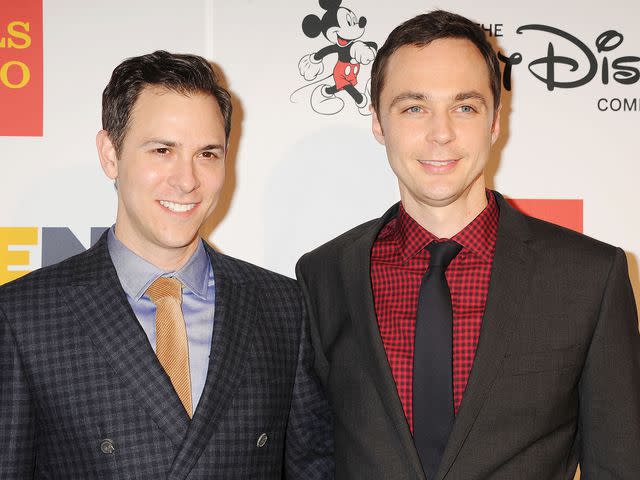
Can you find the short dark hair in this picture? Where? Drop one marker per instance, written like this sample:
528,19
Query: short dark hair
424,29
185,74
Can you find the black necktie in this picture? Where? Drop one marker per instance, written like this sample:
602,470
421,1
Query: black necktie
433,412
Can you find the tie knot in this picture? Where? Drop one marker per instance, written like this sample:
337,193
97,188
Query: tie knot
442,253
165,287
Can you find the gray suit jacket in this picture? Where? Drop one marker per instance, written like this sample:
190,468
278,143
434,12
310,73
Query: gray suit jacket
82,395
556,377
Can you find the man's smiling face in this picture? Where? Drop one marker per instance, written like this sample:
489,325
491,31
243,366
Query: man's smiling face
437,121
169,172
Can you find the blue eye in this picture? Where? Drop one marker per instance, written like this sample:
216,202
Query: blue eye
466,109
414,109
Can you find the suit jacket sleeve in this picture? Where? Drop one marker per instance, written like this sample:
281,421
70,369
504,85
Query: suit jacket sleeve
609,428
17,422
309,444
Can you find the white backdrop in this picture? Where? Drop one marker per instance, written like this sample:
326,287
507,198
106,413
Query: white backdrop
297,178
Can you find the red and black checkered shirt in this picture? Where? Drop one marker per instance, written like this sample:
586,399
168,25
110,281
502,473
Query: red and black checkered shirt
398,263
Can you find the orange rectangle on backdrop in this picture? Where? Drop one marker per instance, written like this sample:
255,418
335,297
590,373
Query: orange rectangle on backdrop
567,213
21,68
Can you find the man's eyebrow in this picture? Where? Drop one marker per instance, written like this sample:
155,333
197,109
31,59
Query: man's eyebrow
213,146
170,143
160,141
419,97
424,97
471,95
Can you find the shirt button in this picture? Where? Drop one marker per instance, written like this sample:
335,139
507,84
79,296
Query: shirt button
262,440
107,446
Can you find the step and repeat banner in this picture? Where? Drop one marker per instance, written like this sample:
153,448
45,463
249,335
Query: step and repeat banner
303,169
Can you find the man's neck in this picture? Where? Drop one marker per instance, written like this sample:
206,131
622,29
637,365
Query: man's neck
167,260
445,221
174,261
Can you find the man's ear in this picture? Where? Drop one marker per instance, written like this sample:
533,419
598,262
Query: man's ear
376,127
107,154
495,127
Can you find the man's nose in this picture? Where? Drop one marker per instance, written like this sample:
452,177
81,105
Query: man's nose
440,129
183,176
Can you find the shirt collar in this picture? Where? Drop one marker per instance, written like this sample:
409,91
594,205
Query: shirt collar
479,236
136,274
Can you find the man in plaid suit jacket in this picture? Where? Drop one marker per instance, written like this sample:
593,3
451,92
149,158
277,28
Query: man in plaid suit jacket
82,393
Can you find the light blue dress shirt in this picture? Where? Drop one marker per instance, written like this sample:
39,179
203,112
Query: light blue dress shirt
198,302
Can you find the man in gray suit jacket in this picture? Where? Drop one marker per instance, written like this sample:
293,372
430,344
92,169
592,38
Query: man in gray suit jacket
151,355
457,338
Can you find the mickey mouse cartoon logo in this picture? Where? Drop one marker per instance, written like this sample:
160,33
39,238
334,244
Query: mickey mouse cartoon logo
343,29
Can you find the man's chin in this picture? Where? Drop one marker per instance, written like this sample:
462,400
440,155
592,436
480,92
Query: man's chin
446,195
177,241
181,243
441,197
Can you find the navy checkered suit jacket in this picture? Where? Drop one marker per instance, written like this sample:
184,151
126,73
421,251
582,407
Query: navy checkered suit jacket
82,395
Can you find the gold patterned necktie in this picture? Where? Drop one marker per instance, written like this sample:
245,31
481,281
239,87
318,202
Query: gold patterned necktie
172,348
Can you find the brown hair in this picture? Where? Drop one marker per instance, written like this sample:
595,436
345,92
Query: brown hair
181,73
424,29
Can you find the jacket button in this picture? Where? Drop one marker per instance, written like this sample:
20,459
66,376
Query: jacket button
262,440
107,446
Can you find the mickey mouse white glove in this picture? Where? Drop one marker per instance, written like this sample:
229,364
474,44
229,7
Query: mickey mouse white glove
310,68
362,53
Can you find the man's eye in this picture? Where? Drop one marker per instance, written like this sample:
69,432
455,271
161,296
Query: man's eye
466,109
162,150
209,155
414,109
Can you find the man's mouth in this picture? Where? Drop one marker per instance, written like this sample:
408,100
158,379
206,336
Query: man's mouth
177,207
342,42
437,163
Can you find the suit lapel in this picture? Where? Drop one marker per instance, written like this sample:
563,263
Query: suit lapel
356,272
236,307
99,303
508,287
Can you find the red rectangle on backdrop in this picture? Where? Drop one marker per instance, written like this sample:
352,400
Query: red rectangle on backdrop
21,68
567,213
